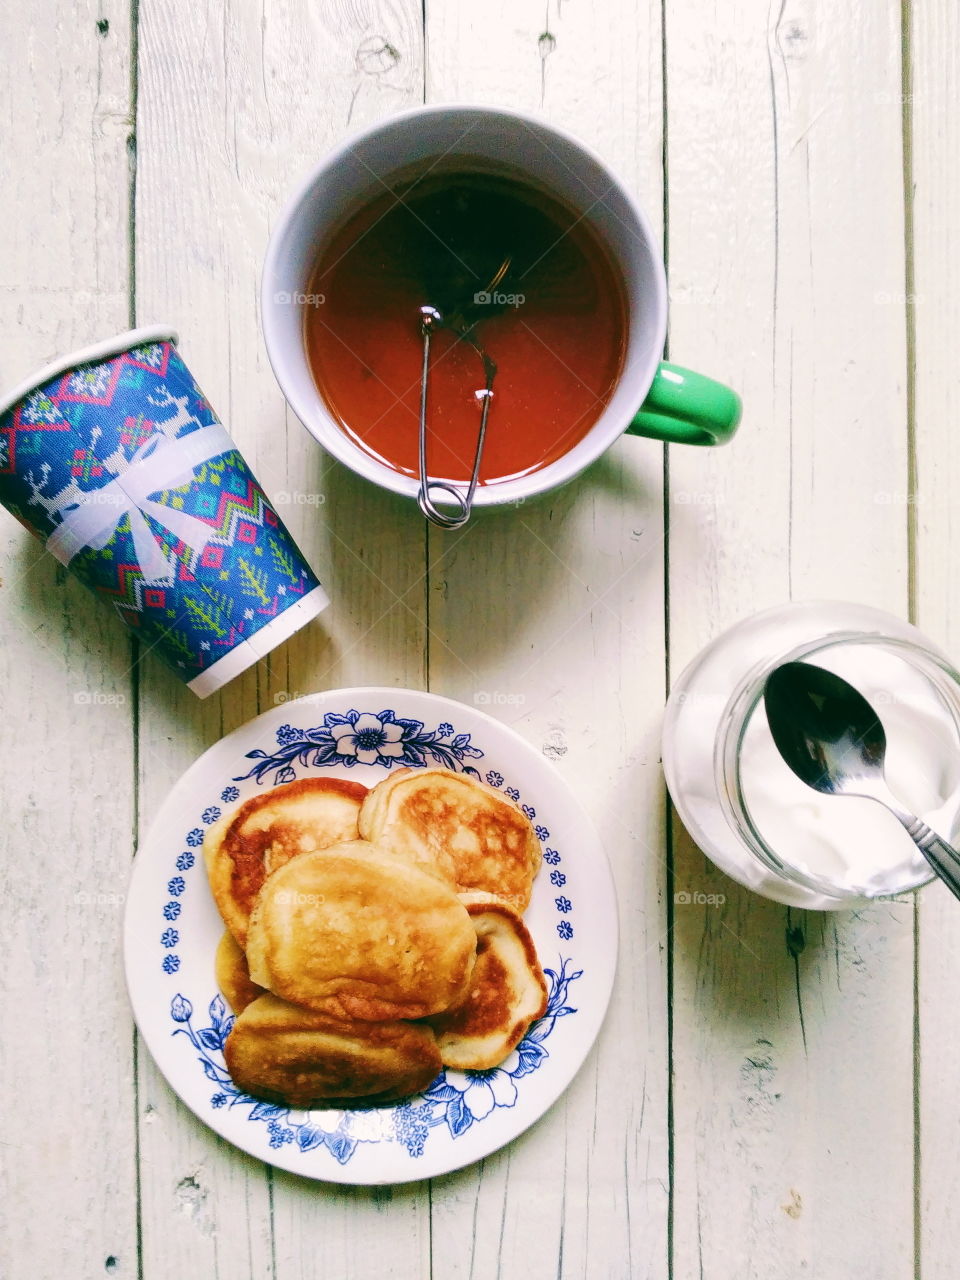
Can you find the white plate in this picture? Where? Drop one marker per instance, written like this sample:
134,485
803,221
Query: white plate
172,929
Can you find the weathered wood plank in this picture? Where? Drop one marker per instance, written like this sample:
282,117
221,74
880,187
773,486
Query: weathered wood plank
67,1162
234,106
554,611
792,1032
932,304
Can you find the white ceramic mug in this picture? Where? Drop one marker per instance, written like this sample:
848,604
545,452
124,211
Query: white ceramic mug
675,404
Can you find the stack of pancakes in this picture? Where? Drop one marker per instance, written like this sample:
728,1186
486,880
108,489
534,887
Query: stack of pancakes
373,937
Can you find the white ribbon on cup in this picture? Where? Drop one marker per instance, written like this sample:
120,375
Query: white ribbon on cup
160,463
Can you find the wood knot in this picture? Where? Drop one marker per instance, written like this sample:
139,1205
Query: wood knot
796,941
793,40
376,56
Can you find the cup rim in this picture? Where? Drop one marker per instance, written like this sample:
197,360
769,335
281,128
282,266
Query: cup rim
91,354
336,442
260,644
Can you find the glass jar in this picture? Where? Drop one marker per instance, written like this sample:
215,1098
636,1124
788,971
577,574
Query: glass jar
753,818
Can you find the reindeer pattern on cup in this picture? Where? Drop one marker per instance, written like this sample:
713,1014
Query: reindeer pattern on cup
122,468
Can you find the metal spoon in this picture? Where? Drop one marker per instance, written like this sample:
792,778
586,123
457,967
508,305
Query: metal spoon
832,739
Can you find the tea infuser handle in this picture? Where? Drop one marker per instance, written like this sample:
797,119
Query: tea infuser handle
462,499
445,519
683,407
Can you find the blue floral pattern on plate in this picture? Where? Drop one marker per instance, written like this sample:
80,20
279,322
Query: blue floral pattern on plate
363,737
457,1100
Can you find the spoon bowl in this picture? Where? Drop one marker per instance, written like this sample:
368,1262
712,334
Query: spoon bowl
824,728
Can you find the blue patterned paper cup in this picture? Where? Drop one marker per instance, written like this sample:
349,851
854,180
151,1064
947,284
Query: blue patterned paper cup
113,458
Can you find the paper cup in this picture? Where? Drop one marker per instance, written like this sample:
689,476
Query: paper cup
113,458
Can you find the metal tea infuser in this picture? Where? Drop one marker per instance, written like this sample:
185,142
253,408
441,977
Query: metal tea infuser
461,499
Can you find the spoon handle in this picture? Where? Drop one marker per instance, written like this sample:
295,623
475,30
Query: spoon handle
944,859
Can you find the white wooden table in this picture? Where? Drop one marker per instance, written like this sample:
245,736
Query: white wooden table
773,1094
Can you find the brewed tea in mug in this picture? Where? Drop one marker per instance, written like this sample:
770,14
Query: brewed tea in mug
526,277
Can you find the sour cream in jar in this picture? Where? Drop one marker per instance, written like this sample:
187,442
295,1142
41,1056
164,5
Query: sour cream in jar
747,810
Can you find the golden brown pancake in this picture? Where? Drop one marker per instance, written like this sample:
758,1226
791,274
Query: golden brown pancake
464,831
233,976
291,1056
353,933
507,993
248,845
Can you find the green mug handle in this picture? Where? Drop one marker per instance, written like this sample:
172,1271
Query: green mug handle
683,407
